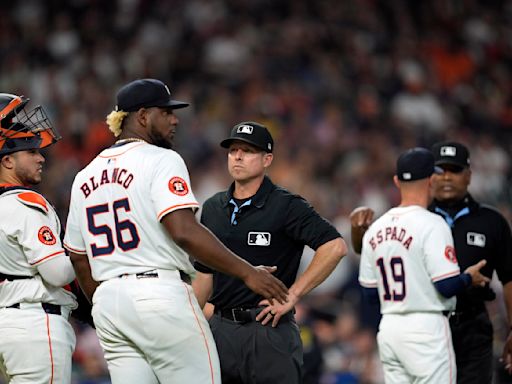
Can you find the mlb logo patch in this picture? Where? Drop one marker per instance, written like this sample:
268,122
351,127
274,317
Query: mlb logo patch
244,129
258,238
448,151
476,239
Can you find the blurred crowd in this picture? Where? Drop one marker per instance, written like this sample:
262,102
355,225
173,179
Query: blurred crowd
344,86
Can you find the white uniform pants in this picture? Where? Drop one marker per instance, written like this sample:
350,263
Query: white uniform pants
153,331
35,347
416,348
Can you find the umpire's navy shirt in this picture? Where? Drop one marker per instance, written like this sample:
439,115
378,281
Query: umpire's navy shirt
271,230
479,233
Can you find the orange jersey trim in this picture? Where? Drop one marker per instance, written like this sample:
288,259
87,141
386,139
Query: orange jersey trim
33,198
74,250
178,206
47,257
50,345
121,153
451,274
368,285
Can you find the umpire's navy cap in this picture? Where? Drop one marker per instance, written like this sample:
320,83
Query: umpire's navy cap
451,152
145,93
416,164
252,133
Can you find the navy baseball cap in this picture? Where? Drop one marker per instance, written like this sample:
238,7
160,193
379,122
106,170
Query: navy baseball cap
252,133
452,153
416,164
146,93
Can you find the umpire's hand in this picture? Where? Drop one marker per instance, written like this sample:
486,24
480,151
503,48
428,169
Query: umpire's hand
263,283
274,312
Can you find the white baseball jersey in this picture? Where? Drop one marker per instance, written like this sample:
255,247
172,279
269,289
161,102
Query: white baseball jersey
29,236
36,347
404,252
117,202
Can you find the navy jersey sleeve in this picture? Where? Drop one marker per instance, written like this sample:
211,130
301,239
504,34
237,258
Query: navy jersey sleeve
504,251
304,224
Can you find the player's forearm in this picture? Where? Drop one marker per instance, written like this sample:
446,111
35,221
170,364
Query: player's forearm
357,234
83,275
201,244
57,271
325,260
203,287
507,297
453,285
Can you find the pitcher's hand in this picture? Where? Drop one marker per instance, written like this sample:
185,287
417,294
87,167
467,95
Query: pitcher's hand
263,283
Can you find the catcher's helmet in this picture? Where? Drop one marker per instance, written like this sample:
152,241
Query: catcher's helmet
22,129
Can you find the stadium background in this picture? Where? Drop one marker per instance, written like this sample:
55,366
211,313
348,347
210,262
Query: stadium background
343,85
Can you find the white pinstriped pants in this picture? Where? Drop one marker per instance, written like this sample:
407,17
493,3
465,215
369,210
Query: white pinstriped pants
416,348
35,347
153,331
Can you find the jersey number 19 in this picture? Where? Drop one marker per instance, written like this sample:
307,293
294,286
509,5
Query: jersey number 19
396,291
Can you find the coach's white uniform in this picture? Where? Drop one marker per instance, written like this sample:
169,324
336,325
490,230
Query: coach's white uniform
404,252
35,346
117,203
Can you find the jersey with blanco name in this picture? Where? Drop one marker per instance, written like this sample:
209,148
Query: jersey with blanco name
404,252
117,202
29,237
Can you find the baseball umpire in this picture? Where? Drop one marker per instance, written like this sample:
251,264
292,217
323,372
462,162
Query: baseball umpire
480,232
37,340
265,224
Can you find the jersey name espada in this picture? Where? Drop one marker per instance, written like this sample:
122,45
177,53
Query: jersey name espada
391,234
405,252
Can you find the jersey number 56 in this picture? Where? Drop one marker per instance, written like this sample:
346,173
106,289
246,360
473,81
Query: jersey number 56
120,226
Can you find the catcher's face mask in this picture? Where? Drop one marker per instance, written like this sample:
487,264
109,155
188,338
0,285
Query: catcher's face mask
22,129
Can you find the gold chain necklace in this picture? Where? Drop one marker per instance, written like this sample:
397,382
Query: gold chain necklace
130,139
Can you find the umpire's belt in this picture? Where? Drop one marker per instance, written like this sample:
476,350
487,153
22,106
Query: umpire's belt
245,315
159,274
460,316
52,309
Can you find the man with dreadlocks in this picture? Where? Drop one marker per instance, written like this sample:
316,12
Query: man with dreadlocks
37,340
131,227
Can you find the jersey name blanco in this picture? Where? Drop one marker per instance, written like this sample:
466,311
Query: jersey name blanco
29,236
404,252
117,202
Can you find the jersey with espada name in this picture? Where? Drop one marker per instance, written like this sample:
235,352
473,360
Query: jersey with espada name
117,202
29,237
404,252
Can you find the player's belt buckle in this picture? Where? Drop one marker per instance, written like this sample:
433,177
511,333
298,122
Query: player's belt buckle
147,275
